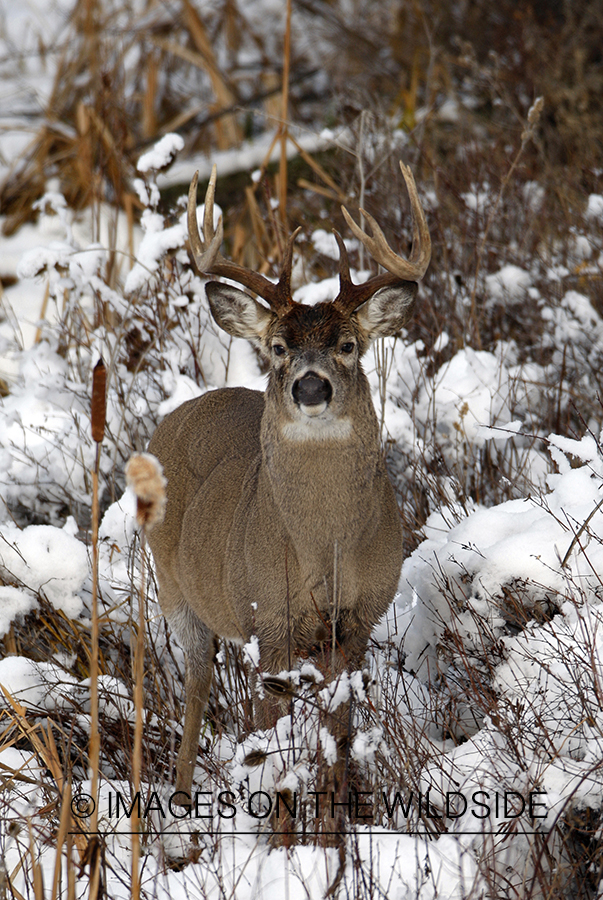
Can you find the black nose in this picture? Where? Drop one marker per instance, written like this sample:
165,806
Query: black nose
312,390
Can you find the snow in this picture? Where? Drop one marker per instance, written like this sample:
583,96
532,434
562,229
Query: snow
467,394
533,194
162,154
594,209
329,746
336,693
249,156
490,549
509,283
479,199
48,559
36,685
325,243
180,388
574,319
14,603
156,241
60,238
251,652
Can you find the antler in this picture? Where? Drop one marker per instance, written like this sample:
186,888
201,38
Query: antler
210,261
351,296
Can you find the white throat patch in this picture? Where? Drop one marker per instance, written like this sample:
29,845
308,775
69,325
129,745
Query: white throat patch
316,428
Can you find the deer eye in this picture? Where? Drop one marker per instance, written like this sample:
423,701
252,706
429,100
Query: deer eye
348,347
278,349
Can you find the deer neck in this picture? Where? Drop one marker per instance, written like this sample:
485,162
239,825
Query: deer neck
324,488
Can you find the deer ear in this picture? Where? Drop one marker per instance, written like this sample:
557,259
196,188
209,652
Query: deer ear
237,313
387,311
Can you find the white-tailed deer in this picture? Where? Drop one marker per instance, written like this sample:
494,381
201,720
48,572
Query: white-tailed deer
281,520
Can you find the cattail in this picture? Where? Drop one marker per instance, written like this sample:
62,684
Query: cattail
99,401
145,476
534,115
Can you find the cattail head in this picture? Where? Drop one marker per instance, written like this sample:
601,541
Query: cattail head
99,401
145,476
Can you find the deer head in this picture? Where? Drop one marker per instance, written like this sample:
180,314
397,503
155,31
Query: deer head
313,350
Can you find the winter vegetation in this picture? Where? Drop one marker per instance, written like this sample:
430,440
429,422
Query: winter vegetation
475,745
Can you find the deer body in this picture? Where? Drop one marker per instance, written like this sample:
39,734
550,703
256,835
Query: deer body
252,538
281,520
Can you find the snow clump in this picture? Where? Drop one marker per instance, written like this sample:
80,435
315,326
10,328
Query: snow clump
49,559
528,541
162,154
508,284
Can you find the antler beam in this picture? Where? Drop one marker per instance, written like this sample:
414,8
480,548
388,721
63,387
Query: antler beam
209,260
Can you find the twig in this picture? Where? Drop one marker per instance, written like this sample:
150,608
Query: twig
579,533
284,129
98,419
527,135
138,721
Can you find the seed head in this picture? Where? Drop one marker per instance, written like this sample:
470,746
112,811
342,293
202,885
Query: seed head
145,476
99,401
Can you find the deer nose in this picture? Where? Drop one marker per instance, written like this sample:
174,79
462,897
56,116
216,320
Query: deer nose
312,390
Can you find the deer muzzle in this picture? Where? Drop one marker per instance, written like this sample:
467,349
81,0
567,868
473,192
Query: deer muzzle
312,393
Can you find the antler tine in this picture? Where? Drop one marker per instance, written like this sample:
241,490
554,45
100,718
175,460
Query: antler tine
398,268
210,261
208,207
205,255
420,254
344,263
286,266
